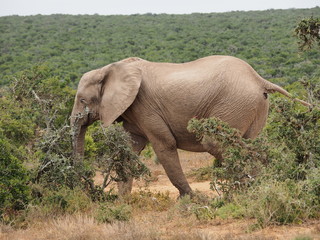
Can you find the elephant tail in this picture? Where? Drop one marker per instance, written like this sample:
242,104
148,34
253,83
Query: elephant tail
271,88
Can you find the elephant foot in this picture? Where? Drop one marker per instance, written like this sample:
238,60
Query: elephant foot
183,194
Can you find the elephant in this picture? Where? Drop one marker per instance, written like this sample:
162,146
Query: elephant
155,101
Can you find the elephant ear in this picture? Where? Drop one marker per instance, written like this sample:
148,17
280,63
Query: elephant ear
120,86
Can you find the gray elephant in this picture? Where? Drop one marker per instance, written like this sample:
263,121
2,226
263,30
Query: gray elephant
155,101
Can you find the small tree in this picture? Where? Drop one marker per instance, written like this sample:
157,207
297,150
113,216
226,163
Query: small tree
115,158
308,31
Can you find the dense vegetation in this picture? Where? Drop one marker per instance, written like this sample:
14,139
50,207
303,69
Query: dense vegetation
36,170
72,45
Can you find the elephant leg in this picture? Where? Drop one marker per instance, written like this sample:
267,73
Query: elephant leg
166,151
138,144
259,121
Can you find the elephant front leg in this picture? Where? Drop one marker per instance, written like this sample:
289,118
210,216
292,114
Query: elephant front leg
138,144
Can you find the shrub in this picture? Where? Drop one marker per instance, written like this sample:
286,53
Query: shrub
110,214
230,210
308,32
300,134
14,191
274,202
242,158
115,157
66,200
198,205
203,173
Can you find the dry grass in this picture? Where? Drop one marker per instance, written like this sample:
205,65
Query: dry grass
166,225
80,227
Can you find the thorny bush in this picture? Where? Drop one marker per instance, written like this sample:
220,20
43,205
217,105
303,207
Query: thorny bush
242,158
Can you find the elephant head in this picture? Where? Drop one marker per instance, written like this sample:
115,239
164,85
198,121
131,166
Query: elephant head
103,94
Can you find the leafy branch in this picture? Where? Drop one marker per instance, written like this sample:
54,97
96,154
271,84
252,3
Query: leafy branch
242,158
308,31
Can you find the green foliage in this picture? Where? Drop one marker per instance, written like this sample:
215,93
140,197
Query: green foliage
46,99
202,174
15,125
107,213
230,210
14,192
148,152
294,132
149,201
115,157
242,158
73,45
45,102
308,31
275,202
197,205
47,203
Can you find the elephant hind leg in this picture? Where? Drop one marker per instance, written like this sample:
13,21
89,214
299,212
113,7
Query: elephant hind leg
253,131
214,149
257,125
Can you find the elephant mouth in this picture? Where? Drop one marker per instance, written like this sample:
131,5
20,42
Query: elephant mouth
84,118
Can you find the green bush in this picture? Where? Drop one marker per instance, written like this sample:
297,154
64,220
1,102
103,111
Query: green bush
149,201
65,200
202,174
14,191
47,203
308,32
115,157
15,125
242,158
274,202
230,210
109,214
198,205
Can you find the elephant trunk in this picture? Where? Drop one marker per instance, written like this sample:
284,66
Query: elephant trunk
78,144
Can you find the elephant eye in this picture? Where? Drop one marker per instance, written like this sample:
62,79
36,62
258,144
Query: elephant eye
82,100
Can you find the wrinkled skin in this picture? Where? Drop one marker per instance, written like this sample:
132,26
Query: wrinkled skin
155,101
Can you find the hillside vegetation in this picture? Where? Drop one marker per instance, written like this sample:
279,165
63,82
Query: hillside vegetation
72,45
273,180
